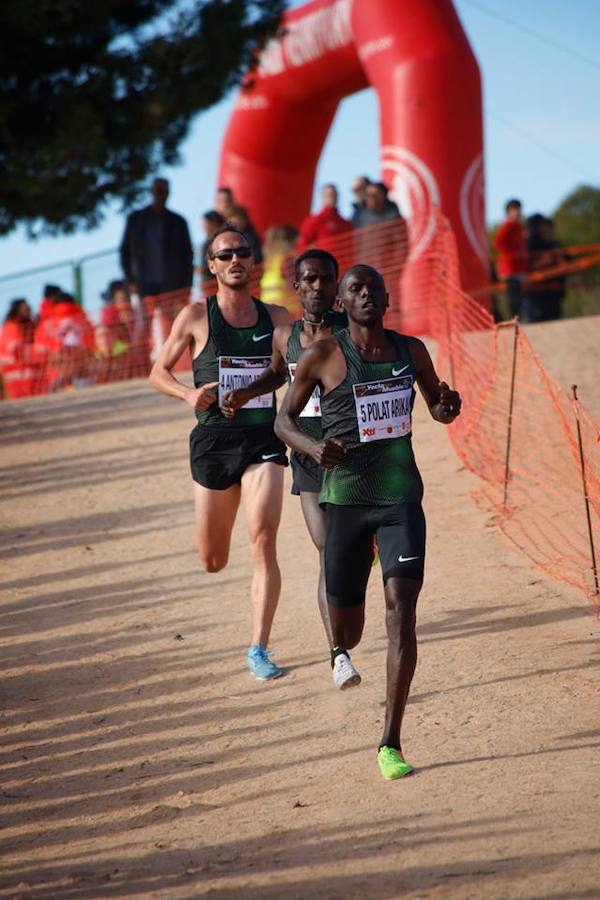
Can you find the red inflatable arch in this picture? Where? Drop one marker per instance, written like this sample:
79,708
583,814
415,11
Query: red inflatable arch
416,56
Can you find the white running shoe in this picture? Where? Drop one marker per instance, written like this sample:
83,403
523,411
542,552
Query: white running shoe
344,673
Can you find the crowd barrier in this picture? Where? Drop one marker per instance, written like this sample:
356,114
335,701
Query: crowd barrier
535,449
580,259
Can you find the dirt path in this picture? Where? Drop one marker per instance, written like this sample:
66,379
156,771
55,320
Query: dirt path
140,759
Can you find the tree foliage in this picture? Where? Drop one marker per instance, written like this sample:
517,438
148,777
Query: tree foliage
577,218
97,96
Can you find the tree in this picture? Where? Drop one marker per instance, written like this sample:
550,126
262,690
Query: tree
97,96
577,218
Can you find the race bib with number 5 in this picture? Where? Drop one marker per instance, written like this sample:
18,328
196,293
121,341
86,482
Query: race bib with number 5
383,408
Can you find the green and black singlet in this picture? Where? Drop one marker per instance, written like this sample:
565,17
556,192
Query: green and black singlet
371,412
309,420
234,357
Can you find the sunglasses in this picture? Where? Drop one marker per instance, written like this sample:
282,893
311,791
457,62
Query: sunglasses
227,255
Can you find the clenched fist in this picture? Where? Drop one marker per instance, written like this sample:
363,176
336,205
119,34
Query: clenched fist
329,453
201,398
232,401
448,406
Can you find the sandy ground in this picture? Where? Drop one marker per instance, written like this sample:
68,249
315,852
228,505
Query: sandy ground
139,758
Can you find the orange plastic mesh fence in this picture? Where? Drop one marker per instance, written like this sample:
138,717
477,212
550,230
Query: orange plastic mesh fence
583,258
525,452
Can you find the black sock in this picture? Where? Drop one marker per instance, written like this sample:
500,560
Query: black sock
335,651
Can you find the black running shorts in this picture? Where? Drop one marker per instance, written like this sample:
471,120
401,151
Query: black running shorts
400,534
220,456
307,473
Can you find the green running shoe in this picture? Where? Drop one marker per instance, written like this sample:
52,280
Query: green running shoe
391,764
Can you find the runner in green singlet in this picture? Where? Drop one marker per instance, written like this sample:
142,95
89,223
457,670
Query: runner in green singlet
372,487
230,339
316,275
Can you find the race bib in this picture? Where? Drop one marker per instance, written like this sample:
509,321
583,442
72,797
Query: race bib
383,408
313,405
238,372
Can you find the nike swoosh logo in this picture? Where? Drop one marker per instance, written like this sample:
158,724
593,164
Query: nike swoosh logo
269,455
260,337
407,558
399,371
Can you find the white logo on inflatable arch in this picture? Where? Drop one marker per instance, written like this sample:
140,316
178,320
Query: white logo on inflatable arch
472,207
372,48
308,38
416,192
252,101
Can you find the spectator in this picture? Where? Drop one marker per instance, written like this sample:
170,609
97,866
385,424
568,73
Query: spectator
211,222
19,364
118,315
377,206
64,338
156,251
543,299
358,189
512,254
277,282
385,248
239,218
112,358
318,227
224,202
51,291
128,324
157,258
389,205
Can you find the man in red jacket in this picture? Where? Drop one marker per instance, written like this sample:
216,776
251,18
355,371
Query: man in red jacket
324,224
510,242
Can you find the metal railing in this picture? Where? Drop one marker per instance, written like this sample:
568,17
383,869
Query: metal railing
86,278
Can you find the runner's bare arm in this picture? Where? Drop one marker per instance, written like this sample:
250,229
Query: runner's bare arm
444,403
161,378
271,379
311,371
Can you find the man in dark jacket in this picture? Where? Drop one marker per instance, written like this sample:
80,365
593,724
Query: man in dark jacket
157,259
156,251
386,248
377,206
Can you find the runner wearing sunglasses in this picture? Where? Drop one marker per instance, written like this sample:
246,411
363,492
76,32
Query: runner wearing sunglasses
230,338
316,275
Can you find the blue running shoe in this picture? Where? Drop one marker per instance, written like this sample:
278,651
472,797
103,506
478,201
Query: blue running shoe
259,663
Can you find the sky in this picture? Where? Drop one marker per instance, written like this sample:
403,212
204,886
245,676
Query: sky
540,67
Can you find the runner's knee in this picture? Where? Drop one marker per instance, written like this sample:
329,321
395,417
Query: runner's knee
212,561
347,624
401,614
263,544
351,638
402,594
